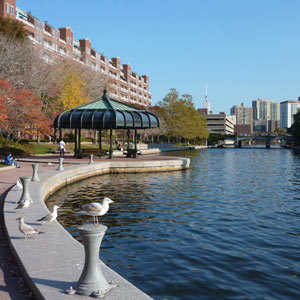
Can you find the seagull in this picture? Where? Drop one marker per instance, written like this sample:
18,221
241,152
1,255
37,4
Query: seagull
23,204
27,229
52,216
19,185
96,209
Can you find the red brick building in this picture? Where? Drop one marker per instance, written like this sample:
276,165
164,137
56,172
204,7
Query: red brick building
126,85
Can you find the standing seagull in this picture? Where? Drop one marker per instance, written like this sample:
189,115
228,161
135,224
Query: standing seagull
52,216
96,209
23,204
27,229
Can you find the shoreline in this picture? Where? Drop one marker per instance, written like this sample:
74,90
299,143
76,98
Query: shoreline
56,257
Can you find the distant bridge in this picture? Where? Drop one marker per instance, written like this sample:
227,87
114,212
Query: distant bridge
267,138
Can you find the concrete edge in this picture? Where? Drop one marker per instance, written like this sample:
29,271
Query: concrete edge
7,168
52,262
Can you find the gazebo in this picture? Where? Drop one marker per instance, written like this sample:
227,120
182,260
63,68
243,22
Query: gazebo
102,114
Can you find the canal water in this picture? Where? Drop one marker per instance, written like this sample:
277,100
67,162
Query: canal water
227,228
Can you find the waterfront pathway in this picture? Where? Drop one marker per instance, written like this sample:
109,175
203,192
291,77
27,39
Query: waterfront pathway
12,284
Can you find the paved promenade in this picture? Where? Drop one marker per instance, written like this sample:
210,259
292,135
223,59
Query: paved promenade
12,285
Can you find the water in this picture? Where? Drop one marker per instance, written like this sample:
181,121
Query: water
228,228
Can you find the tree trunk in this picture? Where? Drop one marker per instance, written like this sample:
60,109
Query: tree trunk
38,137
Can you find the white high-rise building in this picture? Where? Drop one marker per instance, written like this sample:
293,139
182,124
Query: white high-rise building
287,111
206,103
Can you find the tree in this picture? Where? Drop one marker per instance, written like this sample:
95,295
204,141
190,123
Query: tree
179,118
280,130
89,84
13,28
73,91
295,128
22,114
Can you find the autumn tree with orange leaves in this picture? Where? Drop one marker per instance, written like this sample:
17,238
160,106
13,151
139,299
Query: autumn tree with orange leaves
20,113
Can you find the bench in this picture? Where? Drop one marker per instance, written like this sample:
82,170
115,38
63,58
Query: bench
132,153
96,152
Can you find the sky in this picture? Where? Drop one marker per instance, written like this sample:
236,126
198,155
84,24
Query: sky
241,49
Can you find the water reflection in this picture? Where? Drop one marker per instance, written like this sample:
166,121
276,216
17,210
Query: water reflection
225,229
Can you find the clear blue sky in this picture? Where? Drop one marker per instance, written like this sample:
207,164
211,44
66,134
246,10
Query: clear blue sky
242,49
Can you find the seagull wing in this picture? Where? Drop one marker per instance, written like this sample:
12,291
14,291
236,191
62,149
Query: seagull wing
92,207
23,205
45,218
27,229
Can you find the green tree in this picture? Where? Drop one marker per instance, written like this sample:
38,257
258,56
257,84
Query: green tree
295,128
280,130
13,28
179,118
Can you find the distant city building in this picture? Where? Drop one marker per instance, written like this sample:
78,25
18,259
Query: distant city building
206,103
203,111
220,123
244,119
260,126
125,85
232,110
287,110
265,110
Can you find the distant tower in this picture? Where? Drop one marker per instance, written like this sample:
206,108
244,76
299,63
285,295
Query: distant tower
206,103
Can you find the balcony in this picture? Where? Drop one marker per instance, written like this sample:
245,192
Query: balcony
32,38
25,21
48,47
113,76
46,32
76,51
63,53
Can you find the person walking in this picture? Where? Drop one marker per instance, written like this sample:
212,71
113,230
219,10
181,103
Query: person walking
61,147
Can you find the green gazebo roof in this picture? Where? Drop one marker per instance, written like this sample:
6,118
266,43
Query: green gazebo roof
106,113
106,103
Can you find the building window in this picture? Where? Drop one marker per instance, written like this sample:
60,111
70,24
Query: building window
12,10
7,8
69,40
39,24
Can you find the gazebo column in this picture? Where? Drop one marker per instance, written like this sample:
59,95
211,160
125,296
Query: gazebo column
60,134
128,139
100,139
110,146
79,142
76,146
135,144
123,138
55,141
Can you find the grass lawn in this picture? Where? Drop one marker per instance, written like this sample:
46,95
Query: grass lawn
2,165
44,148
53,148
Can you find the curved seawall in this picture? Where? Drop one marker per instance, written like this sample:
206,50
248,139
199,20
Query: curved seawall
52,262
